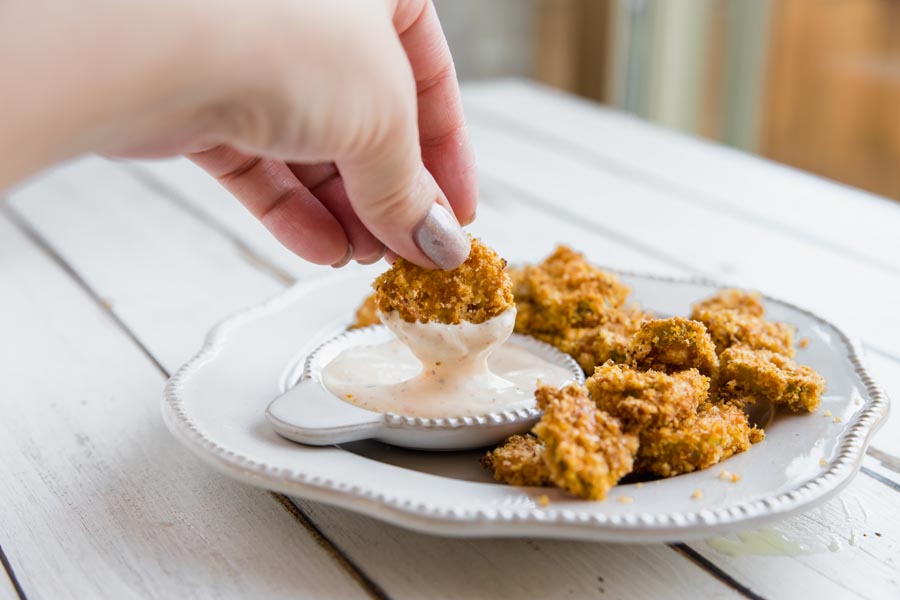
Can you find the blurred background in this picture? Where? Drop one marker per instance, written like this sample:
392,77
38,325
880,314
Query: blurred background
811,83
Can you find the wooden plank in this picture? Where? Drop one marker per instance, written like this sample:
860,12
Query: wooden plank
709,242
7,589
350,531
831,96
514,568
846,548
510,226
455,562
97,500
184,284
692,170
886,371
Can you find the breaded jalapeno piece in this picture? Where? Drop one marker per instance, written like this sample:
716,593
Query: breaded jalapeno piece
585,450
518,461
672,345
476,291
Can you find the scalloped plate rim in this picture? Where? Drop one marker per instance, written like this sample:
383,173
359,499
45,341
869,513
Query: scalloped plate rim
538,522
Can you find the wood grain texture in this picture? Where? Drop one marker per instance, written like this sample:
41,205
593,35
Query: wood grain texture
847,548
722,244
690,169
377,548
832,91
820,529
97,500
511,226
7,590
513,568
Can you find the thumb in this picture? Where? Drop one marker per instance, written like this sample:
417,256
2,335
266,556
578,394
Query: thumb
388,186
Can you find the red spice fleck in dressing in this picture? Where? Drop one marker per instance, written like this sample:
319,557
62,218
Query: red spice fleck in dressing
440,370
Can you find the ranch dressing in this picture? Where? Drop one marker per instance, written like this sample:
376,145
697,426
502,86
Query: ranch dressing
439,370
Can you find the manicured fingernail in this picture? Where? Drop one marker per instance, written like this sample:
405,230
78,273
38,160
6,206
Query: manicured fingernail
345,259
375,258
441,238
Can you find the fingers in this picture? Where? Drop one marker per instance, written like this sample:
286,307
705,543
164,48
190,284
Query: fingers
446,150
324,181
274,195
390,190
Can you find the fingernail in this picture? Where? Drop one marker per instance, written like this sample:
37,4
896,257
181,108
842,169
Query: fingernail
375,259
345,259
441,238
470,220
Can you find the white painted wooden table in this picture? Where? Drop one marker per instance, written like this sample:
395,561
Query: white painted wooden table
111,274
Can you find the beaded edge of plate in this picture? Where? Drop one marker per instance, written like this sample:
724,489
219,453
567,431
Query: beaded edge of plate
828,483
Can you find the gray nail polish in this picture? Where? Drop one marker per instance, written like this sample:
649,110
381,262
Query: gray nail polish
345,259
441,238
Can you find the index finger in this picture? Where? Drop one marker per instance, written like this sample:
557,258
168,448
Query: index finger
446,151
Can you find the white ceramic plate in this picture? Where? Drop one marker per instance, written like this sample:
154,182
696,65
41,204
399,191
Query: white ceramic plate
216,405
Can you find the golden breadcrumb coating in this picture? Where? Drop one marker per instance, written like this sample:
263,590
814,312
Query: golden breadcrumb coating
518,461
366,314
647,399
671,345
714,434
745,302
571,304
730,327
476,291
586,452
593,346
772,376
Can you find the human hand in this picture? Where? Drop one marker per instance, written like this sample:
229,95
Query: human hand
337,123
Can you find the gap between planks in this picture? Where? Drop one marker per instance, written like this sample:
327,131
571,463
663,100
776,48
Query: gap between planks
206,221
498,121
338,554
352,569
11,574
168,192
713,569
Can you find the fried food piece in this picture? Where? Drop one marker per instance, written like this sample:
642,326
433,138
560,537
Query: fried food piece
518,461
567,291
714,434
647,399
772,376
476,291
571,304
730,327
671,345
586,452
745,302
367,313
594,346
